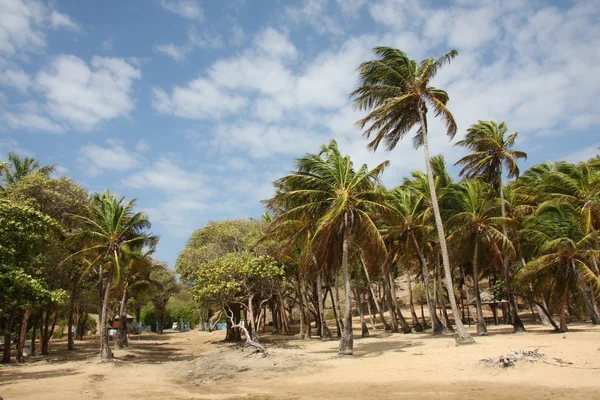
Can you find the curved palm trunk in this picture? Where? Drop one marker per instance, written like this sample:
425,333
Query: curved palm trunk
303,317
122,342
338,303
481,328
372,292
435,322
463,336
347,341
105,353
416,324
325,333
363,322
512,304
403,324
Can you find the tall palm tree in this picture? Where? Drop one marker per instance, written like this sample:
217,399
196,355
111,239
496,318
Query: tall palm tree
491,156
112,231
326,188
477,221
18,167
396,92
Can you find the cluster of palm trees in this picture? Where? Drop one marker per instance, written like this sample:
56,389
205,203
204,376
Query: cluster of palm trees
535,237
102,245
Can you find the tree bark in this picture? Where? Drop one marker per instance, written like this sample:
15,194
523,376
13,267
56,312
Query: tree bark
347,341
481,327
435,322
34,334
403,324
122,342
70,342
463,336
106,355
363,322
512,304
372,292
338,303
325,333
233,335
21,338
415,320
388,299
303,318
337,317
7,339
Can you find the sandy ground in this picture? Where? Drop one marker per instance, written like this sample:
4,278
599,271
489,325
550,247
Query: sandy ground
197,365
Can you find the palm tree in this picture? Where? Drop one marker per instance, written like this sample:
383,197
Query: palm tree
112,231
326,188
492,155
564,249
477,221
396,91
18,167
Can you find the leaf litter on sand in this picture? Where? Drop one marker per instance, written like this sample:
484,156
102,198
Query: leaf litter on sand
510,359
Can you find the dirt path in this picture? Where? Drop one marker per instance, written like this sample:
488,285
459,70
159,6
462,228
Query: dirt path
196,365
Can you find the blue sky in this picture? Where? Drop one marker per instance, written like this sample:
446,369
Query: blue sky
195,107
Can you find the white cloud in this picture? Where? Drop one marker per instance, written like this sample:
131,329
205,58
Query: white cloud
23,24
165,175
194,40
85,95
28,116
60,21
350,6
112,157
16,78
315,13
189,9
583,154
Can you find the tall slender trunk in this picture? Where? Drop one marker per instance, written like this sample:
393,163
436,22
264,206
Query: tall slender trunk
337,299
34,334
481,328
45,333
303,328
106,354
403,324
363,323
70,313
325,333
372,317
512,303
21,338
285,325
463,336
7,339
563,319
372,292
347,341
388,299
435,322
307,309
122,342
337,316
416,324
443,295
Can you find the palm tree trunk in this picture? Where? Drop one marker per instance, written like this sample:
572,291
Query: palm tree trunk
325,333
122,342
403,323
363,323
347,341
336,316
34,333
106,354
481,327
338,303
463,335
372,292
302,309
388,299
435,322
7,338
70,339
416,324
512,304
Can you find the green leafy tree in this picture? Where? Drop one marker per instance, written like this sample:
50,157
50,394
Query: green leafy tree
326,188
492,155
397,93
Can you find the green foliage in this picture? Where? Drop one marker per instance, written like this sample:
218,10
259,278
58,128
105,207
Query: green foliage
24,234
